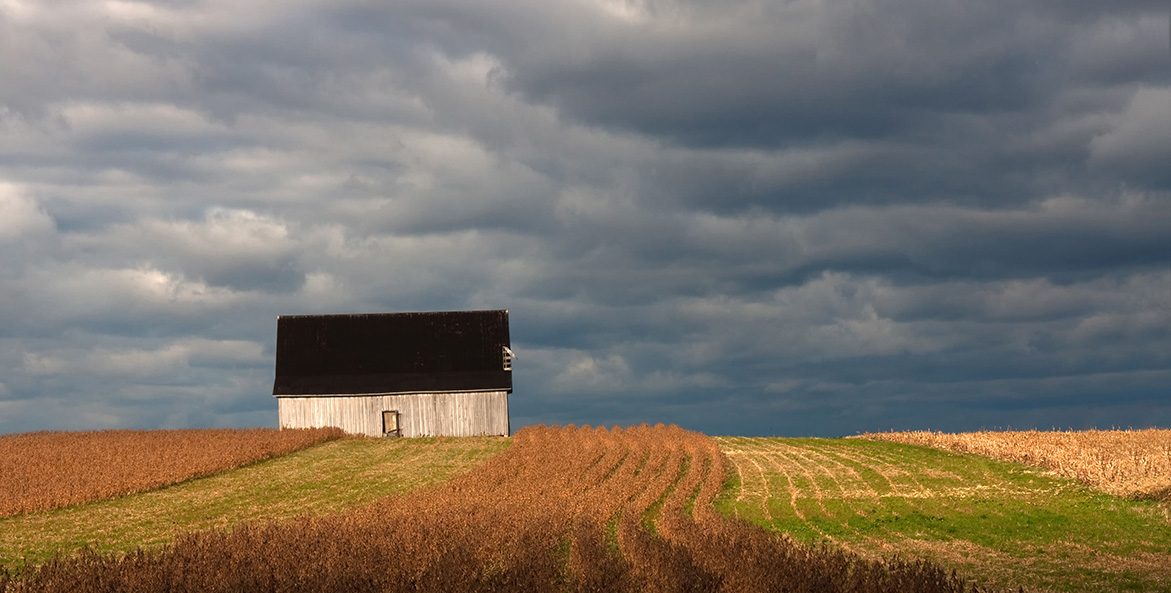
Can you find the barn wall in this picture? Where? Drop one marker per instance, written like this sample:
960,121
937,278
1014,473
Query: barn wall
423,414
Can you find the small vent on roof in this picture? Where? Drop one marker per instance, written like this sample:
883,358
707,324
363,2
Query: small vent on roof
508,356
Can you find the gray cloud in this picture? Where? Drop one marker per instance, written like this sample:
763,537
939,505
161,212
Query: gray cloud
750,218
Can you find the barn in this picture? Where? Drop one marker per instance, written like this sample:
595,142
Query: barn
395,374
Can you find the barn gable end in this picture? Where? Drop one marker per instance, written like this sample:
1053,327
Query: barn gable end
408,374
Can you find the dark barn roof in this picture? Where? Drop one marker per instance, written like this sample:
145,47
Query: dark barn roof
391,353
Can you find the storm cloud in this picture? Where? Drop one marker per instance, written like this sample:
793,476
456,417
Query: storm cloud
799,218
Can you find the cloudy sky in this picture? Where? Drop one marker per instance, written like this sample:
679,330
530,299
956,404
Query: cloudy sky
809,217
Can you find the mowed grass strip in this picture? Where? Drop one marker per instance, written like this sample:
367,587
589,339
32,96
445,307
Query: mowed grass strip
1000,524
40,471
323,479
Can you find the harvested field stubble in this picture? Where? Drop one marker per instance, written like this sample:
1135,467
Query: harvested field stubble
47,470
1131,463
1000,524
563,509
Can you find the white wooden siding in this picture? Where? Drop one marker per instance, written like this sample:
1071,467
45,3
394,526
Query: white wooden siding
420,414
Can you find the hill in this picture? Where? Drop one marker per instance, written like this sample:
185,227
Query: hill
558,510
47,470
328,478
607,510
1131,463
1003,524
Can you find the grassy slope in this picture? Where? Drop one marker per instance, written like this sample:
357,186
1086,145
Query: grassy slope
323,479
999,523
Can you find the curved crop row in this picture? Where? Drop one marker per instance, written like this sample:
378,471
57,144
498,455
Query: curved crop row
47,470
563,509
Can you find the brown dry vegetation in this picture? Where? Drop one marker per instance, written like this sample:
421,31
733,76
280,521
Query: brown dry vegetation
47,470
1131,463
563,509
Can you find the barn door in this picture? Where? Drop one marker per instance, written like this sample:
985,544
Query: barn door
390,424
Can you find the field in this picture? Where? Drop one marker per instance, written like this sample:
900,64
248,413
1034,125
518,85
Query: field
640,509
48,470
1131,463
328,478
1003,524
561,509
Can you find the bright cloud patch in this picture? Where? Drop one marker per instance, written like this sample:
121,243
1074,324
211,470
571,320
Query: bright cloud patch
21,217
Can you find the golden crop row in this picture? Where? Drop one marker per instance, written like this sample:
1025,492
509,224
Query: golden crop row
562,509
1133,463
46,470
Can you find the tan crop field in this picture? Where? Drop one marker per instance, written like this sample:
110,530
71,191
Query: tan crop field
47,470
560,509
1130,463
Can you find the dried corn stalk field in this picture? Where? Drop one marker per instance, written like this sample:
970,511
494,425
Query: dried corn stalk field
561,509
47,470
1131,463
